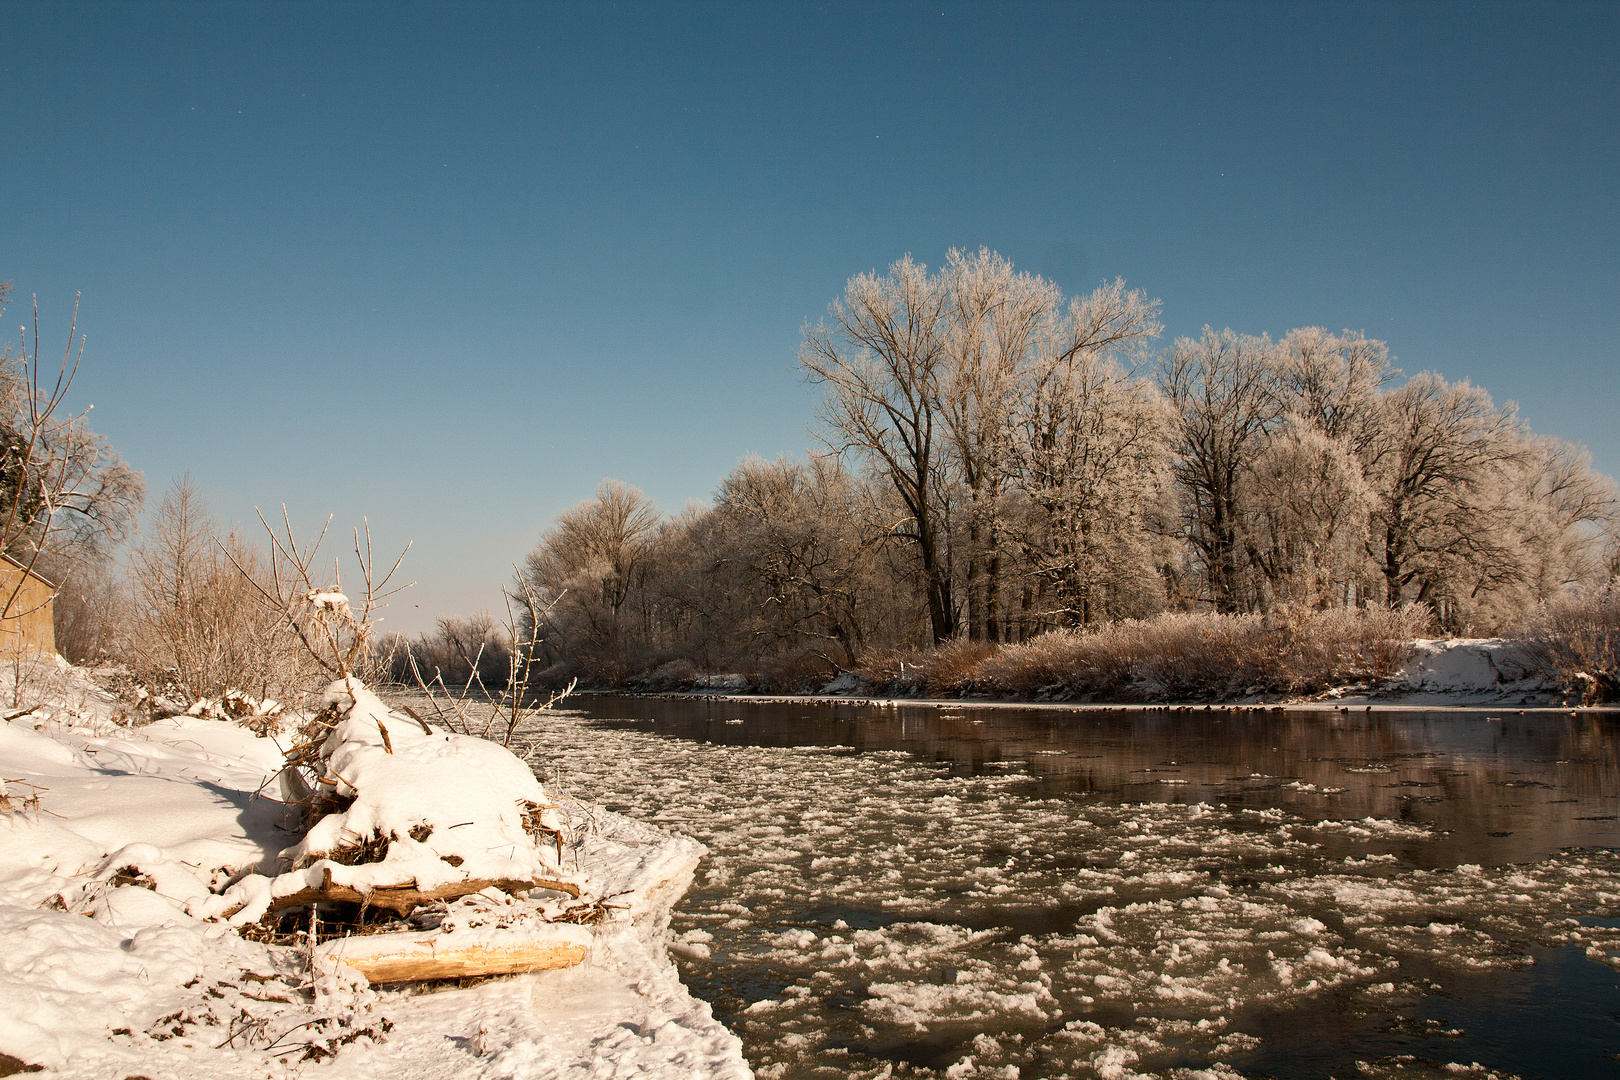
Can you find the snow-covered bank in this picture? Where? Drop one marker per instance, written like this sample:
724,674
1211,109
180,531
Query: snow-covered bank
115,840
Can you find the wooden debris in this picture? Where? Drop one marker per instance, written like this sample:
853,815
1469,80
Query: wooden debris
415,964
402,901
461,954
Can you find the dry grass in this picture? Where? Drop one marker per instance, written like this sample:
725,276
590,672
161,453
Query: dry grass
897,669
953,667
1173,656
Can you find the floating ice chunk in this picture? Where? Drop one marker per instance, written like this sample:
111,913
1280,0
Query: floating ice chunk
1111,1061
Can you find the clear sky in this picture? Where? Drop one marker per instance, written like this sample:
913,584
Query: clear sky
450,265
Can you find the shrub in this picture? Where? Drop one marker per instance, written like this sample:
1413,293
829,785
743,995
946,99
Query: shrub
1176,655
1577,639
794,671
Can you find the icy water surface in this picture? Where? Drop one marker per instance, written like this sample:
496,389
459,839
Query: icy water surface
1025,893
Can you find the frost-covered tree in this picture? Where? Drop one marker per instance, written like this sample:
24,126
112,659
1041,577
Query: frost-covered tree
1332,382
1089,454
997,320
198,620
1442,467
588,567
1304,512
1305,503
882,361
1224,390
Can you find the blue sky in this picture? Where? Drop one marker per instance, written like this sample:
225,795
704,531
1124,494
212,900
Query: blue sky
448,266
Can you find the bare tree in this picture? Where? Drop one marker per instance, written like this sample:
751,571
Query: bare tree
198,618
881,363
92,612
65,495
1224,390
812,575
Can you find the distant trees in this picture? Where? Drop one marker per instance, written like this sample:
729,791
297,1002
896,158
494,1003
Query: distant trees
1305,479
461,652
589,568
1089,458
792,560
1003,460
794,543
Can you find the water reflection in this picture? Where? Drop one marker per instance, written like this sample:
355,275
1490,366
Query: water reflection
1505,786
909,891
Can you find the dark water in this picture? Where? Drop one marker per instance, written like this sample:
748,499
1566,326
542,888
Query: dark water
830,821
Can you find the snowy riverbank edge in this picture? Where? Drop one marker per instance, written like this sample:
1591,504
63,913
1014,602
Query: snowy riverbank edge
127,983
1440,673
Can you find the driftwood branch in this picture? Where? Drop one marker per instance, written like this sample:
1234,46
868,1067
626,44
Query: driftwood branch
402,901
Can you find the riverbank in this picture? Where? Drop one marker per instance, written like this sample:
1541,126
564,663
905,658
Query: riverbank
1566,655
111,834
1469,673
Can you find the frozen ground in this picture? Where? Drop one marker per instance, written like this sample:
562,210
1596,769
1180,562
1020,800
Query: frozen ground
110,837
872,914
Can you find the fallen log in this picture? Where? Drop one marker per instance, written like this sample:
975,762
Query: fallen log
420,957
402,901
466,963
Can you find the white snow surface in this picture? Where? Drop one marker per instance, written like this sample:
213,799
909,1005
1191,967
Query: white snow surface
1469,668
108,970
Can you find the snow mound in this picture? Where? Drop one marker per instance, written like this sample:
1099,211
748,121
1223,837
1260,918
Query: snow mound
1466,664
412,806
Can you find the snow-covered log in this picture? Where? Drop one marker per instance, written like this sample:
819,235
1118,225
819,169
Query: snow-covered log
403,814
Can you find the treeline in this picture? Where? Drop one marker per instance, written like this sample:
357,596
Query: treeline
1016,492
1002,461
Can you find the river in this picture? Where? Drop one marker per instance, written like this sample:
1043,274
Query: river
897,890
